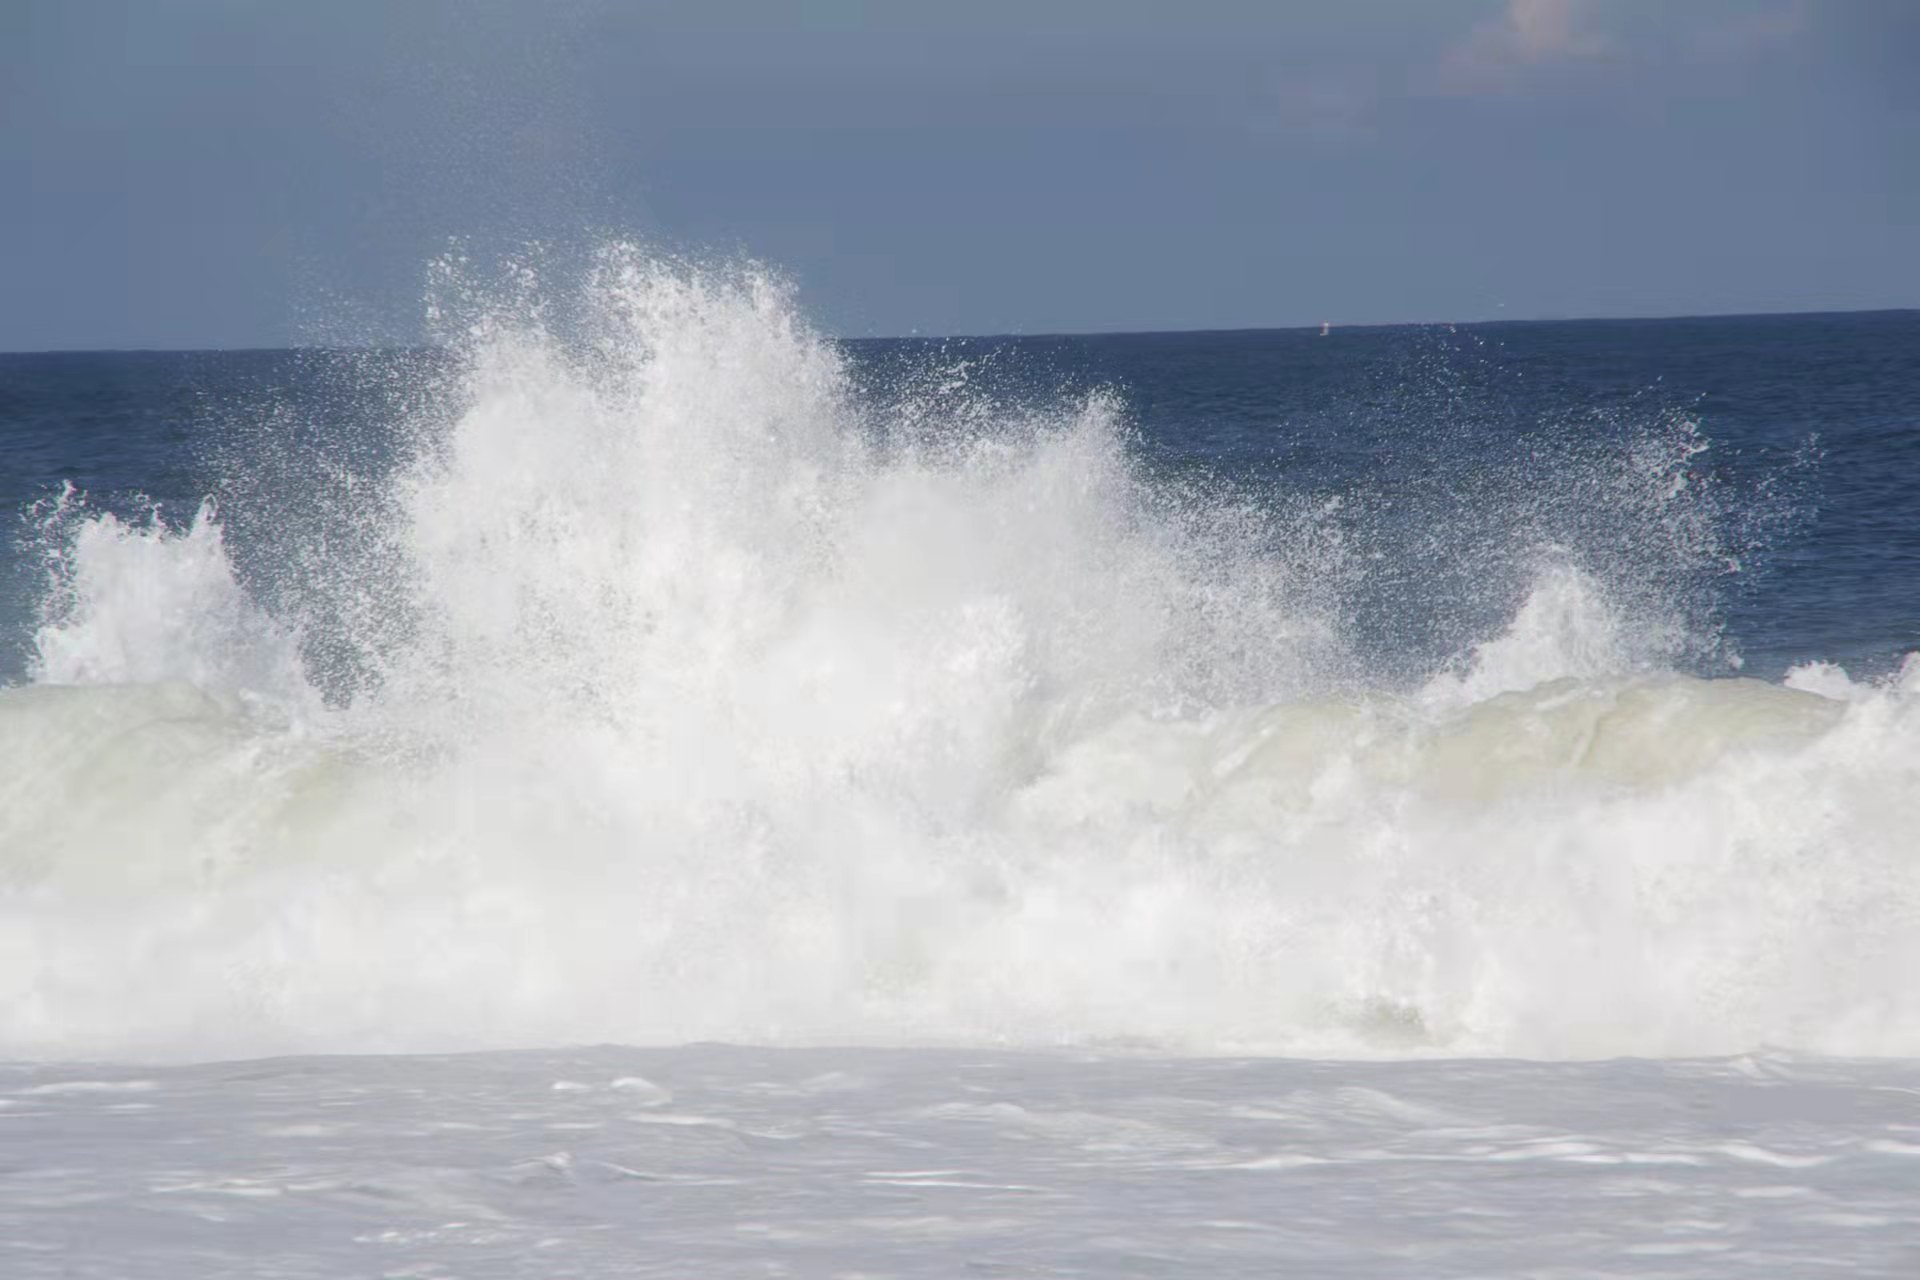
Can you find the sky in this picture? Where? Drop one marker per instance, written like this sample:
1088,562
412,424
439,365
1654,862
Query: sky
220,173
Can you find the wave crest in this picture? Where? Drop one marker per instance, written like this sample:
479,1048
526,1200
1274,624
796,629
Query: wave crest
698,696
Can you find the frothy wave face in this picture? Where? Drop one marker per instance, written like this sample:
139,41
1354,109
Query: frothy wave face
676,690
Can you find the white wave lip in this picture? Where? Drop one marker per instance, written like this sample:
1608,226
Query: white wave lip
716,710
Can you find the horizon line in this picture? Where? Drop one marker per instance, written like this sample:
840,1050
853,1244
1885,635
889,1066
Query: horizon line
1199,330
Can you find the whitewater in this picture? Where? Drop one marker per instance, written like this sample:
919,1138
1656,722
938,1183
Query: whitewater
973,851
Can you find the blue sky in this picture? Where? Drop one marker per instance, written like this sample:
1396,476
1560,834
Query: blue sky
237,173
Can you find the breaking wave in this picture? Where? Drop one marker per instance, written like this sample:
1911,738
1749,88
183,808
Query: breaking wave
672,689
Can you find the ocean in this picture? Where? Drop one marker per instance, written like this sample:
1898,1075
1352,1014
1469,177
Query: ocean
1138,804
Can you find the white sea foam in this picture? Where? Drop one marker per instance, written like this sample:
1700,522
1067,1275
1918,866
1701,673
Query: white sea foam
922,1164
138,603
704,702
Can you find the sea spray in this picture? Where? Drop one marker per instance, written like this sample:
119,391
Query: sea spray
692,693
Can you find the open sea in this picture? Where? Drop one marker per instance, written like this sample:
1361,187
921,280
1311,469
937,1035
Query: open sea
1421,800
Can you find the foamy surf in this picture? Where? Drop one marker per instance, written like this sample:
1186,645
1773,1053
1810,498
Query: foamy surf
673,691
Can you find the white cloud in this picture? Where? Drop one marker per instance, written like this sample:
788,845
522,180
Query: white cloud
1528,34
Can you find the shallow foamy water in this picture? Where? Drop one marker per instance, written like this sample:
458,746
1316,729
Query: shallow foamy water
721,1161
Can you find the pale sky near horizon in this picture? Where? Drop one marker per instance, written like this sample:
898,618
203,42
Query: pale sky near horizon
188,173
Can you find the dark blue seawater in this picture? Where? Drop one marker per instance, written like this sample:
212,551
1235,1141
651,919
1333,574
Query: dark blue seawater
1451,458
